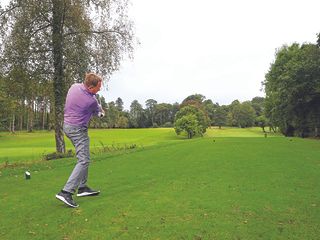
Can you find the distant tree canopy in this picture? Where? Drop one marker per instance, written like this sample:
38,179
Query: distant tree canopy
292,87
220,116
241,114
48,45
205,113
136,115
165,115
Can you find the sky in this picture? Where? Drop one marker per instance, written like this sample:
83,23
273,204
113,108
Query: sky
220,49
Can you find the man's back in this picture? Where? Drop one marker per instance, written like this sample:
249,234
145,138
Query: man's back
80,105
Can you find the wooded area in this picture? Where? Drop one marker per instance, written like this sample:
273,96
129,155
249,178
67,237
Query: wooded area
292,88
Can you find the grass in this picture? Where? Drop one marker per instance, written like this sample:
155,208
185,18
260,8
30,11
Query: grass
24,147
240,187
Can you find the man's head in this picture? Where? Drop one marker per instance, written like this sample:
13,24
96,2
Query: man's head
93,82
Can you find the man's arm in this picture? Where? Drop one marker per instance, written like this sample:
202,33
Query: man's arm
99,110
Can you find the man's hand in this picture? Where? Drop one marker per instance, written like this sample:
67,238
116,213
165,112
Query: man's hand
101,114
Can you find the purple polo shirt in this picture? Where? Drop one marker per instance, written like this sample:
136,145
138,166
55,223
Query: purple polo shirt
80,106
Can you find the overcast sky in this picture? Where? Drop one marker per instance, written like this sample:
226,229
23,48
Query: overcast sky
220,49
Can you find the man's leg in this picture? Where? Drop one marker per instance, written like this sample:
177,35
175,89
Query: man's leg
80,139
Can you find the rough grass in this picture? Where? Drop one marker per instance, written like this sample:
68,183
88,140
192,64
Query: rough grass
205,188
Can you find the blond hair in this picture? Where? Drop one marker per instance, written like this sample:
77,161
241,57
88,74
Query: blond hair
92,79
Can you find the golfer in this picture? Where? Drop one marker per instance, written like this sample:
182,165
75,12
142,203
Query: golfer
81,104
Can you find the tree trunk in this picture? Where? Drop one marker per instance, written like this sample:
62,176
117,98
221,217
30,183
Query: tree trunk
49,127
21,121
43,119
316,132
58,80
44,110
190,135
13,123
30,116
21,116
28,113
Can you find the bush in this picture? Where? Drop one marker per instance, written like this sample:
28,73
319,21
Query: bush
168,125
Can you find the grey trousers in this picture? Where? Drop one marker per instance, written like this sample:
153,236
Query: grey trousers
80,139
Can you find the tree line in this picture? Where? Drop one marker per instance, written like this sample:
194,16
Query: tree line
292,87
39,115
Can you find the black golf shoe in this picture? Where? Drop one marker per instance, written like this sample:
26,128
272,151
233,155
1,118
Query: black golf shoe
86,191
67,199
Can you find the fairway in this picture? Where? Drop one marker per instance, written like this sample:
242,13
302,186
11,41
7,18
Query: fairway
30,147
23,147
231,184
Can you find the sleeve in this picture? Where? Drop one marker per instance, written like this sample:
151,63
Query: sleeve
96,107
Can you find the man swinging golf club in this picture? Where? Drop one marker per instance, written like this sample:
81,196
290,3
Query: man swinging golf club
81,104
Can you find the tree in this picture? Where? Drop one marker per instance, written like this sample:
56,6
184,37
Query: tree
150,111
233,110
174,109
195,99
258,104
119,104
262,122
7,106
220,116
241,114
202,120
210,108
292,87
123,122
248,115
162,113
198,101
188,124
136,115
63,40
113,115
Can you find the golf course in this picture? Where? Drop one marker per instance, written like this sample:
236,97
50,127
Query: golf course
231,183
159,120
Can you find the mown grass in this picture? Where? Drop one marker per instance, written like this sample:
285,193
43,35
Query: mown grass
205,188
30,147
24,147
